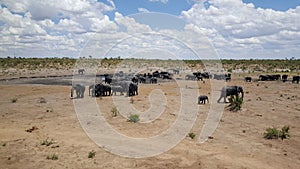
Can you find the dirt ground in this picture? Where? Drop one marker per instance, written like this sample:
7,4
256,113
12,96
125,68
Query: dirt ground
47,113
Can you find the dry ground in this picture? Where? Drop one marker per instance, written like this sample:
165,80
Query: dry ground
237,143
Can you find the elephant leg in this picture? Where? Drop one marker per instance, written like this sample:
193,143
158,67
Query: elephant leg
220,99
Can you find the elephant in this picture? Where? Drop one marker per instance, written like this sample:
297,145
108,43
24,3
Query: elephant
166,76
206,75
175,71
263,77
219,76
156,74
284,78
117,88
269,77
125,85
230,91
92,90
132,90
227,77
108,79
81,71
153,80
102,90
295,79
135,79
248,79
142,79
190,77
79,88
202,99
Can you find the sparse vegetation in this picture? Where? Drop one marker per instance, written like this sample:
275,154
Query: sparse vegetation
14,100
235,103
47,142
114,112
92,154
274,133
134,118
192,135
52,157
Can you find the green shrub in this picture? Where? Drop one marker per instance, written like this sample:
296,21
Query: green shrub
92,154
114,112
273,133
134,118
284,133
235,103
192,135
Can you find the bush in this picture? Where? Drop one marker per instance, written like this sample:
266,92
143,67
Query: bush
47,142
92,154
192,135
52,157
114,112
273,133
14,100
284,133
134,118
235,103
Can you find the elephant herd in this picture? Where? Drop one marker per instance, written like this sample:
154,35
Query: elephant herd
128,84
206,75
132,89
120,83
276,77
102,89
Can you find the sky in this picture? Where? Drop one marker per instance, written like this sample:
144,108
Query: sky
180,29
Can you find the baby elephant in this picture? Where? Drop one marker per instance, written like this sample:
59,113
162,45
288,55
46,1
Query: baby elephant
202,99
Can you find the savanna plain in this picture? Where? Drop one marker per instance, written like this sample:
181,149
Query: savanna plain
39,127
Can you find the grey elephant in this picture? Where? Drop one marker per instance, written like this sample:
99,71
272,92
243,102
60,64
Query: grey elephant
102,90
117,88
231,91
202,99
79,89
81,71
132,90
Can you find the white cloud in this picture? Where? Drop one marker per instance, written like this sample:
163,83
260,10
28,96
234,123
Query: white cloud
144,10
235,27
130,24
50,27
162,1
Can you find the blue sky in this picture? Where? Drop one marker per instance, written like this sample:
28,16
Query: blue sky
235,28
175,7
281,5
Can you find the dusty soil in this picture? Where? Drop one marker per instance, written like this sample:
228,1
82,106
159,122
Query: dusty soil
33,113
